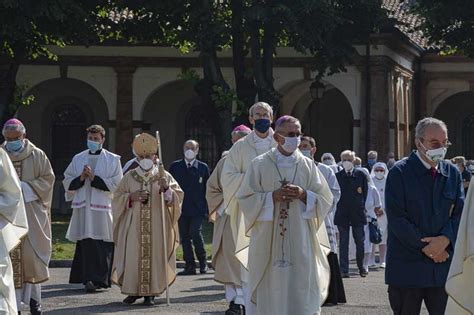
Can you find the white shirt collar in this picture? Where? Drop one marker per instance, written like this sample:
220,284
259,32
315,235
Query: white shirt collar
283,160
269,138
425,164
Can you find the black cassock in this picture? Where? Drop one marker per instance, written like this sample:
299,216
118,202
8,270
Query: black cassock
92,262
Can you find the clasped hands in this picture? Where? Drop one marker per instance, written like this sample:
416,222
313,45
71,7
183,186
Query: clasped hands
289,192
436,248
143,195
87,172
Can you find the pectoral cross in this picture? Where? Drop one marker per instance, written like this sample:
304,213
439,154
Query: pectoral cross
284,205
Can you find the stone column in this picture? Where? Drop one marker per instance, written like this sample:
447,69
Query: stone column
379,119
406,112
396,114
124,117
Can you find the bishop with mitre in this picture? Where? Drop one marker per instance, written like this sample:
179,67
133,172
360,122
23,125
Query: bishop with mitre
140,262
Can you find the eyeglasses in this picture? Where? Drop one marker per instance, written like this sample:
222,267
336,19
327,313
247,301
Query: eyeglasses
292,134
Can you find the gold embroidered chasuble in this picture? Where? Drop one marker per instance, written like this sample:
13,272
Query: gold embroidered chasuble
139,260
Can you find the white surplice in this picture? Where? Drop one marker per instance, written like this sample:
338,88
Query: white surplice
92,208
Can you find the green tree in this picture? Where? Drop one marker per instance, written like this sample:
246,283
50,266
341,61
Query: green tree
449,25
325,30
28,28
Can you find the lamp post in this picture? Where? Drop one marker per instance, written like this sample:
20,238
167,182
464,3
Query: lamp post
317,90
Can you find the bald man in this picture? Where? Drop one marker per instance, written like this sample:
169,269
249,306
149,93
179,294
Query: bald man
192,176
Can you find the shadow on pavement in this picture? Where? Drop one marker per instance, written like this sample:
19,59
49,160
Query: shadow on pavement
206,288
198,298
118,307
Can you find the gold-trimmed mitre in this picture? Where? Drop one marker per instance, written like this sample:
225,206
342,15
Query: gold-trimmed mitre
145,144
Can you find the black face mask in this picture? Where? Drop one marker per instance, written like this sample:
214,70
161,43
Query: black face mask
262,125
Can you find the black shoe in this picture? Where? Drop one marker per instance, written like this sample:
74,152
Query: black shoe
90,287
363,273
131,299
35,307
203,268
235,309
149,301
345,275
188,271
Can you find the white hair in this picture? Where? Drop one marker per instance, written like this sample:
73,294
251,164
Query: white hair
263,105
428,122
348,153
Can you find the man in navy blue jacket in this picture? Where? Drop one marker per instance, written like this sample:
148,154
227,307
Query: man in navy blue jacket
424,198
350,212
192,176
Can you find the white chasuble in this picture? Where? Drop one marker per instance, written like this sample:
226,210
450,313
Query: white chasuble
236,164
31,258
13,226
461,273
288,268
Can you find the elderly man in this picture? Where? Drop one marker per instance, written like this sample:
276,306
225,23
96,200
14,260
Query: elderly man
424,199
90,181
192,175
138,226
226,265
350,211
259,141
285,200
336,286
31,258
13,227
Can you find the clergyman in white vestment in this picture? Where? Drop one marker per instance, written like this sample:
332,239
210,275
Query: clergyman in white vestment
285,199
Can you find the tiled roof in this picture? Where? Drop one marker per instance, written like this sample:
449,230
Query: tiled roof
406,21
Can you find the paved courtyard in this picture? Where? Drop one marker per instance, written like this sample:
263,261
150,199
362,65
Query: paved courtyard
196,295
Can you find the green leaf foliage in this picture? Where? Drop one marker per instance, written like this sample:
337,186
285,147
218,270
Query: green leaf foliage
449,25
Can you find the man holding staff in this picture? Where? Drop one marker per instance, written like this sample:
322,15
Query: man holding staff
141,268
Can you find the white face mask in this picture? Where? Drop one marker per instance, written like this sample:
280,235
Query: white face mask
348,165
291,144
435,155
471,167
307,153
189,154
379,175
146,164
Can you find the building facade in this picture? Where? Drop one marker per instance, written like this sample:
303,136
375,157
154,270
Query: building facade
374,105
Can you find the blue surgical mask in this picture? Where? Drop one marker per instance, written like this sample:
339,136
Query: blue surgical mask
94,146
371,161
307,153
14,146
262,125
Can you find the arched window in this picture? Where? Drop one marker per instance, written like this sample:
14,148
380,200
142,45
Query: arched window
68,130
468,137
199,127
